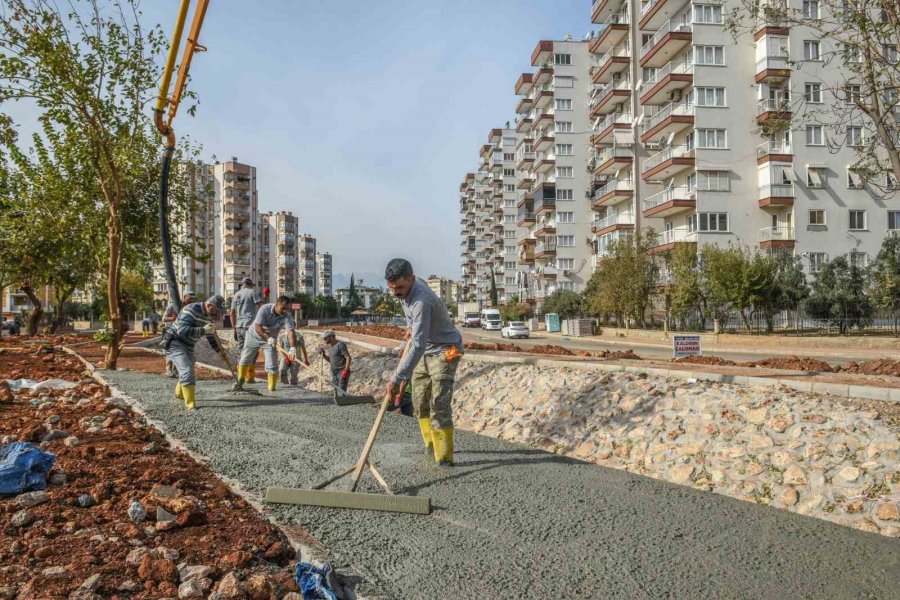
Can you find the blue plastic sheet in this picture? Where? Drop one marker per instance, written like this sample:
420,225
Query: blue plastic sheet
313,581
23,467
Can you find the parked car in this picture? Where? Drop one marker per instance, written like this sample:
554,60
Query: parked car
515,329
471,319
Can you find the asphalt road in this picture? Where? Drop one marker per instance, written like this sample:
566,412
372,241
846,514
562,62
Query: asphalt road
514,522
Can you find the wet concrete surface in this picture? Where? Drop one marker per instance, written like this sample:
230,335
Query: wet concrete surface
514,522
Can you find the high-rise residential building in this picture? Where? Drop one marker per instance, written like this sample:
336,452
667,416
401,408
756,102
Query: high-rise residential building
323,274
552,149
442,288
306,278
698,135
237,244
280,239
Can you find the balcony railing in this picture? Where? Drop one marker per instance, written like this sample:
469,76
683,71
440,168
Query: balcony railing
545,247
606,90
646,8
772,105
773,147
773,62
673,108
677,235
670,26
774,234
614,152
611,119
524,213
667,154
616,19
681,192
624,185
614,219
675,67
776,190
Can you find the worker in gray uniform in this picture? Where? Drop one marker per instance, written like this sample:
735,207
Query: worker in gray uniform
169,316
431,358
287,366
244,305
338,357
195,321
263,333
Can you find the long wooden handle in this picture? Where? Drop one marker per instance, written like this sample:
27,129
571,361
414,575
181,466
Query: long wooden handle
364,457
280,349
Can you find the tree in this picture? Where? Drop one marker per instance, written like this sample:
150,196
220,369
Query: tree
353,300
495,299
91,72
684,293
838,295
565,303
885,275
724,281
625,279
862,40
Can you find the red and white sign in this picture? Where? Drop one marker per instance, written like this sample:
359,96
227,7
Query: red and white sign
295,306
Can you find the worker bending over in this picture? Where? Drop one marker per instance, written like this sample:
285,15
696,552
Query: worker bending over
264,334
195,321
338,357
289,366
430,360
169,316
244,306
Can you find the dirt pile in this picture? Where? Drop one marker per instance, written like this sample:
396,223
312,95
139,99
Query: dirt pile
792,363
390,332
123,510
881,366
546,349
705,360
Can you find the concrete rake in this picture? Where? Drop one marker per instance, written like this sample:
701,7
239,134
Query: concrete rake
388,502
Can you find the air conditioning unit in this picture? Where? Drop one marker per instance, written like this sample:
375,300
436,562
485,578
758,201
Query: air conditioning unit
652,146
566,272
675,96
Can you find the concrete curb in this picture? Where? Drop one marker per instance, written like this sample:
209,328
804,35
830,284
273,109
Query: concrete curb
841,390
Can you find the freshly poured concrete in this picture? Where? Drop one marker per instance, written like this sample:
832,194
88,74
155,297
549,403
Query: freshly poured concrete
514,522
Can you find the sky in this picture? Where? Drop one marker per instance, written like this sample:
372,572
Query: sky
363,117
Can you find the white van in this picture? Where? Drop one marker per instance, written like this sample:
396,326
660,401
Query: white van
490,319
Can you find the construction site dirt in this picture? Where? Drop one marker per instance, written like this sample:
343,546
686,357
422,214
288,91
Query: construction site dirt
107,457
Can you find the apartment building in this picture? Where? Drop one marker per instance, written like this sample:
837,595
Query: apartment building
306,273
481,235
281,252
443,288
553,148
365,293
323,274
695,134
14,302
237,246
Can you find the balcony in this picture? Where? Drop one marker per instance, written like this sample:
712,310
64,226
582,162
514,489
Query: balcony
670,237
544,142
543,120
545,227
497,226
604,129
523,125
776,195
612,159
523,85
525,161
674,76
543,52
670,201
547,273
605,99
671,118
544,198
524,105
545,250
542,77
668,162
774,150
526,255
526,182
525,216
613,222
666,43
613,193
546,163
602,9
773,69
612,31
609,63
656,12
776,238
773,109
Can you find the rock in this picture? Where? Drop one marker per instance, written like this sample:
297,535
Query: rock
236,560
849,474
190,589
781,459
134,557
780,423
277,551
165,553
189,517
129,585
53,420
42,553
32,499
759,442
57,479
157,570
259,587
888,512
756,416
163,516
856,506
292,596
789,497
8,593
85,500
680,474
54,571
229,588
71,441
188,573
91,583
866,525
22,518
878,447
54,434
794,475
136,512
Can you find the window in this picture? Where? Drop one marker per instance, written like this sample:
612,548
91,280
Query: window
709,96
811,50
858,259
817,217
813,93
890,182
564,82
562,59
568,286
854,181
710,222
510,280
893,220
852,53
564,127
712,181
509,141
509,172
509,187
709,55
565,150
563,104
564,172
857,220
890,53
509,234
508,156
565,263
510,249
711,138
814,135
509,218
565,217
855,135
509,203
708,13
511,265
815,177
816,260
565,195
565,241
853,94
810,9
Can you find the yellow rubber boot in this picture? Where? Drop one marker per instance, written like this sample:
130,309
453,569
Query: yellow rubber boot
251,373
443,446
179,392
273,379
241,372
425,428
189,392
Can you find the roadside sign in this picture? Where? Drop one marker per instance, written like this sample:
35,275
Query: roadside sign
313,323
295,306
686,345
